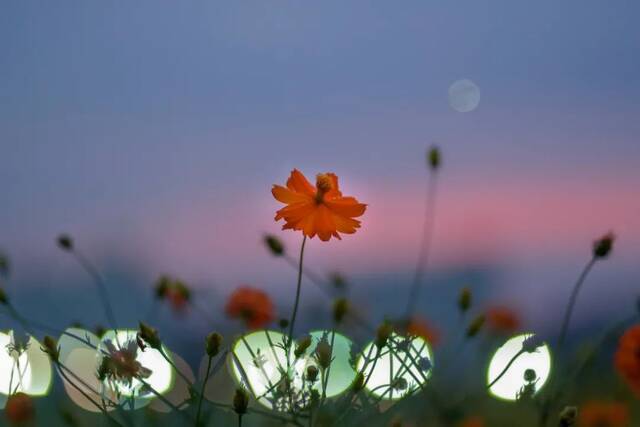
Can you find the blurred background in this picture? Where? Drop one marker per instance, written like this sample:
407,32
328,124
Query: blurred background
152,132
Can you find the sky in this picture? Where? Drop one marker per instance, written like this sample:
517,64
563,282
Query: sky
153,131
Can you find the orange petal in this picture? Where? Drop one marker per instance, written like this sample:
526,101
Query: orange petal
346,206
284,195
299,183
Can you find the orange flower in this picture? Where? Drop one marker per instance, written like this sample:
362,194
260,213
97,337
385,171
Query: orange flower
19,409
421,328
320,210
472,422
251,305
627,358
603,414
502,320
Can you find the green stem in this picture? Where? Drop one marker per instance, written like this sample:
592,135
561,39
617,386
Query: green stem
298,287
506,368
204,385
572,301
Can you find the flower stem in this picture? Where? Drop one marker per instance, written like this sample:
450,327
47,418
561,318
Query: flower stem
297,301
204,385
425,245
506,368
572,301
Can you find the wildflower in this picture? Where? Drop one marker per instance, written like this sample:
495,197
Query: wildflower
433,156
603,414
475,326
603,246
502,320
274,244
340,309
627,357
251,305
65,242
149,335
50,347
464,299
421,328
568,416
312,373
121,364
473,421
302,345
382,335
532,343
240,401
321,210
213,343
19,409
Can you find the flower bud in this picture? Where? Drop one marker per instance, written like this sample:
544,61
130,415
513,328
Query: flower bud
433,157
340,309
65,242
464,299
323,353
162,286
603,246
312,373
19,409
358,382
568,416
50,347
274,244
382,335
302,344
475,326
99,330
4,299
240,401
531,343
149,335
530,375
213,343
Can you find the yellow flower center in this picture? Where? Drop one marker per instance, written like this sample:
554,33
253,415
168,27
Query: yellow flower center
324,183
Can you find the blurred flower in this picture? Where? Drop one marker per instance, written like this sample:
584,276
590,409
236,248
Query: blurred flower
274,244
121,364
19,409
627,358
603,246
473,421
320,210
502,320
340,309
568,416
603,414
418,327
433,157
251,305
174,291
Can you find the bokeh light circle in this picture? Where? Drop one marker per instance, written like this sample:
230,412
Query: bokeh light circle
512,382
464,96
403,366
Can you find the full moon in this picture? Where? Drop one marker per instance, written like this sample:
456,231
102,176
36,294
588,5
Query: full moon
464,96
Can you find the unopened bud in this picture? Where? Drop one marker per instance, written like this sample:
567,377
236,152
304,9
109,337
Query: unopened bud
603,246
240,401
312,373
50,347
464,299
340,309
149,335
302,344
213,343
475,326
323,354
568,416
530,375
100,331
65,242
382,335
433,157
274,244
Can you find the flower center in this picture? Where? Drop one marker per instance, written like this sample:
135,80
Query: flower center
324,183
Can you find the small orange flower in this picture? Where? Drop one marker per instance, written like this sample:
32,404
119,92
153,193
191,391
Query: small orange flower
472,422
251,305
421,328
502,320
627,358
603,414
19,409
320,210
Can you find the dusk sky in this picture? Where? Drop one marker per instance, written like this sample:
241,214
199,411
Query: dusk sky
152,131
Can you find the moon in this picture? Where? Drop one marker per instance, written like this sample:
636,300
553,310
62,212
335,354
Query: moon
464,96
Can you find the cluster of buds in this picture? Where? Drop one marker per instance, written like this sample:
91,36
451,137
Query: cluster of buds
213,342
175,291
149,335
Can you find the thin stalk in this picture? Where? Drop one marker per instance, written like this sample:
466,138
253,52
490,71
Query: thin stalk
572,301
298,287
204,385
506,368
